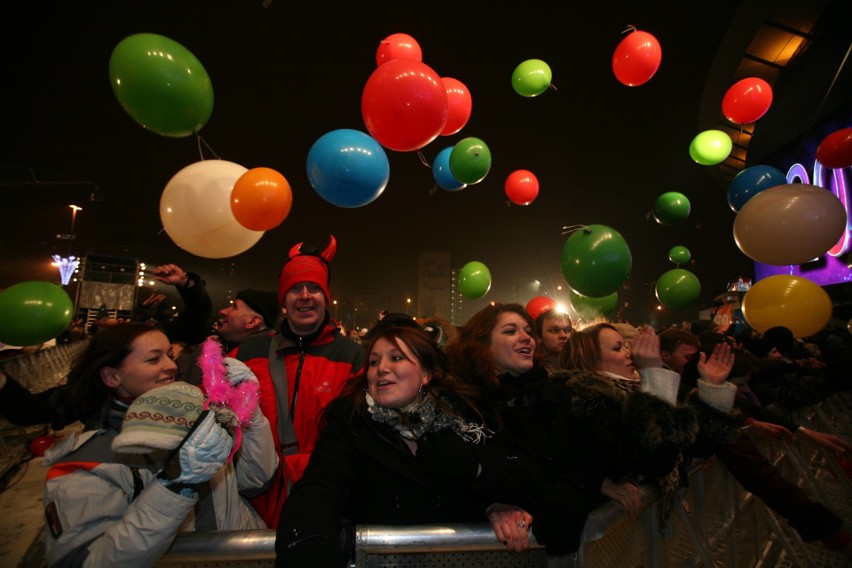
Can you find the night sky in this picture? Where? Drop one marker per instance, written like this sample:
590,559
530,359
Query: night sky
286,74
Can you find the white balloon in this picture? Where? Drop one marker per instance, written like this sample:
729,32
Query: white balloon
195,209
789,224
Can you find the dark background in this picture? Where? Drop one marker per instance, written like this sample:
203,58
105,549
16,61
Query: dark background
286,73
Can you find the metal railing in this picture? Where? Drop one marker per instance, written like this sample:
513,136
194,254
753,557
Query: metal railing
716,524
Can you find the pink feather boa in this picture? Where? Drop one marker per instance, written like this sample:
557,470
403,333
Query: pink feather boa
234,405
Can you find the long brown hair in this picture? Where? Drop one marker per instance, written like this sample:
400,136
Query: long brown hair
421,344
470,354
87,392
583,350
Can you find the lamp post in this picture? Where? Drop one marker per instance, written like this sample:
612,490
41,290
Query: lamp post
70,236
74,209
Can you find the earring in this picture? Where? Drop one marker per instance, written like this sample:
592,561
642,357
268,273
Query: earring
422,390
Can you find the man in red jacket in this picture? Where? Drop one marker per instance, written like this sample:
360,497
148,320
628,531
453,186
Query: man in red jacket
301,368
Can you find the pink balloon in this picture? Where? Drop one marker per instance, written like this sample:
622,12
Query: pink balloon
747,100
637,58
459,105
398,46
404,105
522,187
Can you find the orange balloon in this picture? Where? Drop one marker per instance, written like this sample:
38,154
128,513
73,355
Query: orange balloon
261,199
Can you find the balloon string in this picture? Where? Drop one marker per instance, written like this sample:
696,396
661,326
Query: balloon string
552,86
630,28
825,98
206,145
571,228
423,159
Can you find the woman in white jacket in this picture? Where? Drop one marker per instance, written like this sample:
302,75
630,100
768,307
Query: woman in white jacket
106,506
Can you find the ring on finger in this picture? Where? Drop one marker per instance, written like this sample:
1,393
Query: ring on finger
522,524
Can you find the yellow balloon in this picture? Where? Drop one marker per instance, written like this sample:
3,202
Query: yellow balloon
790,301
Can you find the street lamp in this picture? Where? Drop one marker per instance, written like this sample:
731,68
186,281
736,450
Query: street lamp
74,209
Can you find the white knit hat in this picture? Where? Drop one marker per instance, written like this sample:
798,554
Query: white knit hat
159,419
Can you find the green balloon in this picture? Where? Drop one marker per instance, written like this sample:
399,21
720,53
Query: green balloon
474,280
671,208
33,312
161,85
470,160
531,78
596,261
711,147
678,288
679,254
590,308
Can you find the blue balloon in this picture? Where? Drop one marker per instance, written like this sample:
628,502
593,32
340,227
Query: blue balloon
442,174
752,181
348,168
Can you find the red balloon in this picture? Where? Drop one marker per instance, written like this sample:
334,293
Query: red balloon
747,100
398,46
522,187
637,58
459,105
41,444
261,199
404,105
835,150
539,305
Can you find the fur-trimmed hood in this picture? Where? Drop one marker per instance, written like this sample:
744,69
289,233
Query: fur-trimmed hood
652,421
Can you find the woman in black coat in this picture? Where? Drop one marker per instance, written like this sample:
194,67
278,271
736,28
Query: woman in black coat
534,430
401,445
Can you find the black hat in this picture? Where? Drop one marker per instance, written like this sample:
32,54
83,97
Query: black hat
264,303
393,319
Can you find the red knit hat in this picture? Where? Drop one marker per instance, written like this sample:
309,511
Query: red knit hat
307,266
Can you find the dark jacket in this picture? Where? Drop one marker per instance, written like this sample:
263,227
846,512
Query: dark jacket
633,435
540,449
363,471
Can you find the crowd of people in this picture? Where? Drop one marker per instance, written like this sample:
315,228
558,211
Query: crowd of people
519,418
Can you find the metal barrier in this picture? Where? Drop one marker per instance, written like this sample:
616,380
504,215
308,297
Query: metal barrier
38,371
723,525
45,368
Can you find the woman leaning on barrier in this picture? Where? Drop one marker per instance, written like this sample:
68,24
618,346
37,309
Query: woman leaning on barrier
403,444
534,430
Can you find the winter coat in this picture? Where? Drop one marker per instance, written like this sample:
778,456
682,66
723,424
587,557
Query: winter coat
108,509
318,369
635,434
363,471
542,449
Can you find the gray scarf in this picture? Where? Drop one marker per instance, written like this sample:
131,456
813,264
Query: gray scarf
416,419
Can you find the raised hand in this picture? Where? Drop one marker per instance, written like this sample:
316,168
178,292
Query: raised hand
716,368
171,274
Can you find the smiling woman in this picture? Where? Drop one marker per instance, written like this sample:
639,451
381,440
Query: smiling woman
150,453
402,445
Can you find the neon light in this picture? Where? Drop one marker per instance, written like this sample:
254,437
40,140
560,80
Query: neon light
837,184
66,266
